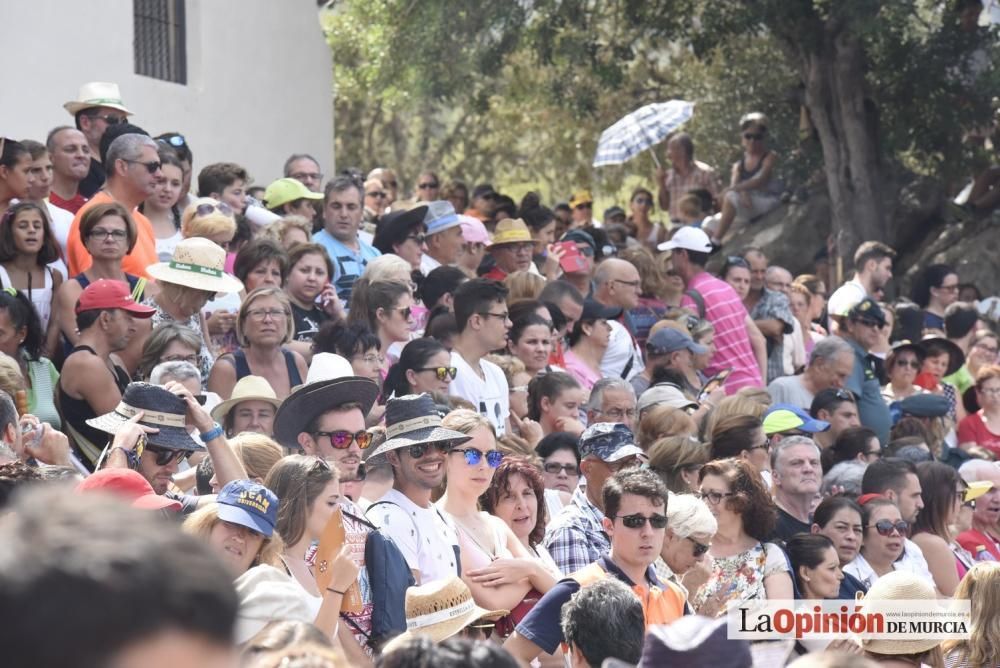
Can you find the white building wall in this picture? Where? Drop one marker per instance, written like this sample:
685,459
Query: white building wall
260,78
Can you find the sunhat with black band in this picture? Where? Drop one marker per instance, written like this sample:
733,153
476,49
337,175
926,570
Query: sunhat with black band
329,384
439,610
197,263
413,420
160,408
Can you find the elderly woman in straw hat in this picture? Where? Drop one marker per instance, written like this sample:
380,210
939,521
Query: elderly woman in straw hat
265,324
194,275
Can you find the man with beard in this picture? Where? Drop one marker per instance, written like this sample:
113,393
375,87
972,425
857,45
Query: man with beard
416,448
325,418
872,270
93,378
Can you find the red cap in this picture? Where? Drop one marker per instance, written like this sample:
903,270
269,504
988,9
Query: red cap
129,485
865,498
105,293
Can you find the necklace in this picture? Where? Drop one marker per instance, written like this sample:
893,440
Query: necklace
491,553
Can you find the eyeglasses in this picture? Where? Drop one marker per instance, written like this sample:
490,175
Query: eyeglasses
503,316
419,238
166,457
555,468
699,548
420,449
656,521
151,167
886,527
342,439
715,498
913,364
109,118
473,456
631,284
101,233
208,208
173,140
379,195
766,445
618,414
753,136
261,314
986,349
371,358
519,388
970,504
426,186
442,372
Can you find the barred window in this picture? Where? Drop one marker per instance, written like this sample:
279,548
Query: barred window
160,39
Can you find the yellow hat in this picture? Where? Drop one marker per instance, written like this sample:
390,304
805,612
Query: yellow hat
510,231
581,197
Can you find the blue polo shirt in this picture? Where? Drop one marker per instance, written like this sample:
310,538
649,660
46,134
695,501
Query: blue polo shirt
542,624
863,384
348,264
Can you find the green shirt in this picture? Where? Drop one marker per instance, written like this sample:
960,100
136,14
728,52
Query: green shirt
961,379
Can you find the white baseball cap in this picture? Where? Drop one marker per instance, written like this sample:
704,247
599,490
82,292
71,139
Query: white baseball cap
688,238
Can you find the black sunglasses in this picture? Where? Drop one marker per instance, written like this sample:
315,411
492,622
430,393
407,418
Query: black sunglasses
425,186
165,457
886,527
151,167
419,238
757,136
555,468
420,449
442,372
699,548
656,521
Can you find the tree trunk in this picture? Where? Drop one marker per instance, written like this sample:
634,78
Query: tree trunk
834,76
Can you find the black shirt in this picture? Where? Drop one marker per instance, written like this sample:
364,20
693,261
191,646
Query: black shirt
788,526
94,180
307,323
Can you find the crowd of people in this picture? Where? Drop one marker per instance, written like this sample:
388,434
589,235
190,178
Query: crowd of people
324,422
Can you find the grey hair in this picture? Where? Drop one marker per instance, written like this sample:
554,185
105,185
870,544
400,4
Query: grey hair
847,475
975,470
789,442
687,516
603,385
179,371
828,348
773,270
298,156
128,147
604,620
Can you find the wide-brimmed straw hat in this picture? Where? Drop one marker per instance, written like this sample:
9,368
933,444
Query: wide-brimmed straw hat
510,231
439,610
247,388
331,382
412,420
160,408
97,94
197,263
899,586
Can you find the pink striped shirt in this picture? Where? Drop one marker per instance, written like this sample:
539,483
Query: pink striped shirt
725,310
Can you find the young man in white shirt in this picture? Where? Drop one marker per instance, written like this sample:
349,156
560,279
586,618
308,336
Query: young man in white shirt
483,321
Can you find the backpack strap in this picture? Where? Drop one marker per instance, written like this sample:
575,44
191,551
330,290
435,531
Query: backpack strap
416,529
698,300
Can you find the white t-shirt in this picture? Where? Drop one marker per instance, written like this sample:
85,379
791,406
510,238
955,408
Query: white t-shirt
491,396
426,539
621,347
60,220
790,390
846,297
428,264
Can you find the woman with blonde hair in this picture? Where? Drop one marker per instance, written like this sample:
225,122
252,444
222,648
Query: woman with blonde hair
258,453
263,328
677,460
664,421
208,218
736,404
523,285
981,587
290,230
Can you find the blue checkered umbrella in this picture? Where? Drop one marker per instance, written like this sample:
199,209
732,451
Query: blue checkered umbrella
640,130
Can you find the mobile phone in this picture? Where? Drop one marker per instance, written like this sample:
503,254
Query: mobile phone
573,261
714,383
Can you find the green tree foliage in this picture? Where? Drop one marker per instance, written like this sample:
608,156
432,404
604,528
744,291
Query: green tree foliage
517,93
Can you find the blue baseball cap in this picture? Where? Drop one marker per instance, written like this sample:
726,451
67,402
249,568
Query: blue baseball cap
786,417
668,340
249,504
609,441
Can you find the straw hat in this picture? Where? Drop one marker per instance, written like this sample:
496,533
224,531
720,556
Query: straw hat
197,263
439,610
331,382
97,94
247,388
412,420
510,231
899,586
160,408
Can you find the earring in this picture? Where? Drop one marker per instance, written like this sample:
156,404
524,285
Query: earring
806,578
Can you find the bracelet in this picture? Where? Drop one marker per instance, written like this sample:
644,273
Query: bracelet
130,456
335,591
211,434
